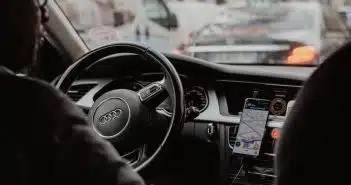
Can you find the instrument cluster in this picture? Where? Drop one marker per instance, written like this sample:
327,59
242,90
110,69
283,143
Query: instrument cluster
196,96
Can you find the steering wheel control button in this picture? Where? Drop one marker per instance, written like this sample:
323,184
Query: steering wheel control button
237,144
111,117
154,89
149,91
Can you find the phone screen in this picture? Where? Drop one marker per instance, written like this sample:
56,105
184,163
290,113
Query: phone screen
252,127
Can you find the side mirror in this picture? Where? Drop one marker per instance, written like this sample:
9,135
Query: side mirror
173,21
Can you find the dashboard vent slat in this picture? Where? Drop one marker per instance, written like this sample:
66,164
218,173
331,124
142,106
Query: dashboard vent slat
76,92
232,135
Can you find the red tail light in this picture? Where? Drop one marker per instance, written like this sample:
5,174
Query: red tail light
302,55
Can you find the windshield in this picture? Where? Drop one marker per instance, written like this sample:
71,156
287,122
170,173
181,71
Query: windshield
230,32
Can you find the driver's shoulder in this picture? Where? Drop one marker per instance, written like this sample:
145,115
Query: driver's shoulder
38,95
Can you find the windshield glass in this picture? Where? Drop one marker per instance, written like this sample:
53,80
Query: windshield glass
255,32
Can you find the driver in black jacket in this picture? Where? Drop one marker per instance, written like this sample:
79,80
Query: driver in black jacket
45,138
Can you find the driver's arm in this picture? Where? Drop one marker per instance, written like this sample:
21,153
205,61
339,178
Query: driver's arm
80,155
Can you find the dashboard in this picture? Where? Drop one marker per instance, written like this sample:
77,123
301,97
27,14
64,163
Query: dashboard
195,95
217,91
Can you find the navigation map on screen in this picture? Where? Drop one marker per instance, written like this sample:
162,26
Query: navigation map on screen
252,127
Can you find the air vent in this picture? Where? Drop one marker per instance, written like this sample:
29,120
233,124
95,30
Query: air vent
232,131
76,92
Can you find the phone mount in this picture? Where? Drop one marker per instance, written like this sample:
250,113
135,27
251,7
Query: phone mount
252,172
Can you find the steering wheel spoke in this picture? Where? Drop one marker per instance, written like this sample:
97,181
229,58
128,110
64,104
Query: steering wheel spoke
163,112
85,108
136,156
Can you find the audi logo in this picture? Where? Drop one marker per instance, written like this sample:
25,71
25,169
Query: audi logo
110,116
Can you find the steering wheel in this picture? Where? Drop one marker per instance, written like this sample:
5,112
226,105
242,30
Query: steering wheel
121,116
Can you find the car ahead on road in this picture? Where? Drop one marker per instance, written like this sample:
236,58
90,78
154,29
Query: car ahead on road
283,33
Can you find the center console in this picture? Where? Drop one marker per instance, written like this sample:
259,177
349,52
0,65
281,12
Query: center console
249,170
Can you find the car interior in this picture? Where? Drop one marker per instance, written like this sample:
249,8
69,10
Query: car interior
190,109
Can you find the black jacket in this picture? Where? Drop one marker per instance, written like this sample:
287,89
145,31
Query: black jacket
46,139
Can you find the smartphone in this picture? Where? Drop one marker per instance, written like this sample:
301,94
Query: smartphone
252,127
